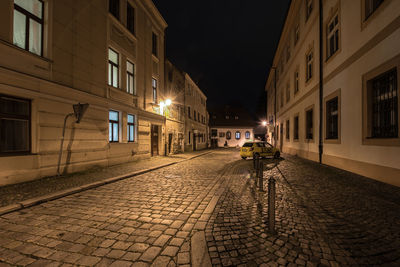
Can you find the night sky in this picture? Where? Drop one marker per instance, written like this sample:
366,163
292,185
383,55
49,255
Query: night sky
225,46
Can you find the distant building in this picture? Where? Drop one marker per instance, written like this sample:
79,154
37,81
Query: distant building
357,126
196,124
231,126
53,54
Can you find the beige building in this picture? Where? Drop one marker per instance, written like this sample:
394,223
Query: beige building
53,54
175,111
359,116
196,116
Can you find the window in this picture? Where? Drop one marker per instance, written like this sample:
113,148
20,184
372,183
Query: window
247,135
309,65
287,92
288,52
113,68
28,25
371,6
296,81
198,117
189,115
154,86
383,102
332,36
227,117
236,117
287,129
296,34
194,114
214,132
113,8
237,135
15,121
332,118
309,8
131,128
221,134
154,44
296,128
130,78
113,126
228,135
130,18
309,124
189,137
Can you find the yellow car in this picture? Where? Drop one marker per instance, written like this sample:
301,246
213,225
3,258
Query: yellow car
260,149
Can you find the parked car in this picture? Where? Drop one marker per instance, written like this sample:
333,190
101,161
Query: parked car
260,149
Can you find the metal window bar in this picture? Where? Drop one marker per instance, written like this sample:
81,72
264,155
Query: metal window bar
385,106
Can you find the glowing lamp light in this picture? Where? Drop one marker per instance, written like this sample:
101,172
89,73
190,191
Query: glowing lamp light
264,123
168,102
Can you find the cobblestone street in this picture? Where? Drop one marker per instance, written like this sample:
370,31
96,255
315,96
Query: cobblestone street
324,216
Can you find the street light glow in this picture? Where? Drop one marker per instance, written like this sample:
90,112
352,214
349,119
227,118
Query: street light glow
168,102
264,123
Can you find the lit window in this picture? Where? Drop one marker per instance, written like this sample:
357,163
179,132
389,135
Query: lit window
154,86
130,18
15,121
371,6
227,117
28,25
309,124
236,117
309,65
113,68
130,78
237,135
333,36
113,129
131,128
247,135
113,8
228,135
332,118
154,44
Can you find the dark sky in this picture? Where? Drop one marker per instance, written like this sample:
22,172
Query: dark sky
226,46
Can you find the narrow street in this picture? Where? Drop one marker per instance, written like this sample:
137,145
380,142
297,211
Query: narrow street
324,216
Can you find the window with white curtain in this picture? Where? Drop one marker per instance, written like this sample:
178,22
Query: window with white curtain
28,25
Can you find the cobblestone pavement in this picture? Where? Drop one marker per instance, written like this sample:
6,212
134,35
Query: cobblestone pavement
324,217
11,194
143,220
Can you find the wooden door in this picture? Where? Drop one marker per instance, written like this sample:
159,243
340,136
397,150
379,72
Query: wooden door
154,140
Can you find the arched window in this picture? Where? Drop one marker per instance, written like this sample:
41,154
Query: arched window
247,135
228,135
237,135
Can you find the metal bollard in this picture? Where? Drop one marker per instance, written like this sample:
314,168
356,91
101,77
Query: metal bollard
271,205
260,177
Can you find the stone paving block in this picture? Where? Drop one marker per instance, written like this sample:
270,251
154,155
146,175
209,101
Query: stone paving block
120,263
150,254
88,260
161,261
138,247
170,251
161,240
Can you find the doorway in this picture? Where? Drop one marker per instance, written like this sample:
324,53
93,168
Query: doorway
154,140
169,142
194,141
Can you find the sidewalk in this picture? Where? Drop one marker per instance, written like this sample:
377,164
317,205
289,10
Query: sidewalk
16,196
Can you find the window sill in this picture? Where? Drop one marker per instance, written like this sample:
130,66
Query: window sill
381,141
336,141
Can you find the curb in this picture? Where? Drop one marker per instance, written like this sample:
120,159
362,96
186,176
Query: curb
70,191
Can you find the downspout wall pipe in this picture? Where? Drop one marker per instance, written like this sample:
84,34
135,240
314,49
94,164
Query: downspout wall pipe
274,68
321,80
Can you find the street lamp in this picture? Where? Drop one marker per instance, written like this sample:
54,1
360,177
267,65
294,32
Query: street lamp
264,123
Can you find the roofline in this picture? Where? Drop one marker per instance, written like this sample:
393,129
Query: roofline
155,13
190,78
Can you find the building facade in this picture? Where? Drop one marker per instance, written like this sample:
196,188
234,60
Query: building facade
53,54
175,111
333,91
231,127
196,124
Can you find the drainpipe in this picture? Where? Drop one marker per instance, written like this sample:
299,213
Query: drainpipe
321,80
